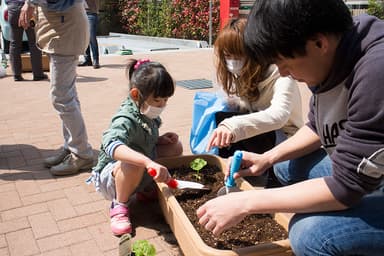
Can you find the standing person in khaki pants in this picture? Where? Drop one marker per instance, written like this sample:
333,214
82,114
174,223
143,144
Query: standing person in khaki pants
62,32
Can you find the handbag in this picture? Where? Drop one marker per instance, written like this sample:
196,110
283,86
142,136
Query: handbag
205,106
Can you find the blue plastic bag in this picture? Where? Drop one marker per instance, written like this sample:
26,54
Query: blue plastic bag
205,106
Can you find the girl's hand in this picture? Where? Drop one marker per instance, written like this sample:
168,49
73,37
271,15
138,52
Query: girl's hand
252,164
162,174
221,137
168,138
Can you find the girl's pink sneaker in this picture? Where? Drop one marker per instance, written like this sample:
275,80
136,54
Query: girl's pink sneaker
120,223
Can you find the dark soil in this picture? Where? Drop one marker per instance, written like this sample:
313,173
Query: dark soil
254,229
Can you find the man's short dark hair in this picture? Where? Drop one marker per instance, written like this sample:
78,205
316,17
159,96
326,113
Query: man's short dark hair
282,27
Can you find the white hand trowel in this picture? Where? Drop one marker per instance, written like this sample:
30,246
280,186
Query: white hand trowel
230,184
181,184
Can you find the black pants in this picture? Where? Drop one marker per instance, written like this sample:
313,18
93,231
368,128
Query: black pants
17,40
257,144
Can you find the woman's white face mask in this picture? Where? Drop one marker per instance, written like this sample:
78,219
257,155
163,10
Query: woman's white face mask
234,66
151,111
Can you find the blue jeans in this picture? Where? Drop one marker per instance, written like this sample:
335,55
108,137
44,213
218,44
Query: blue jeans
355,231
93,20
314,165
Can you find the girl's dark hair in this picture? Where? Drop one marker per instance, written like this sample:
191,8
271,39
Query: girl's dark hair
282,27
150,78
230,42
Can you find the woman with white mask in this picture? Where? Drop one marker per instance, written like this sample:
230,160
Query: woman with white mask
268,106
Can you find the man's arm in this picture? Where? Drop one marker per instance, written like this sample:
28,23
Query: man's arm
223,212
305,140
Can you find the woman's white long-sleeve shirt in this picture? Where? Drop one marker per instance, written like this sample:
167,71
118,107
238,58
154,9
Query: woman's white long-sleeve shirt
278,107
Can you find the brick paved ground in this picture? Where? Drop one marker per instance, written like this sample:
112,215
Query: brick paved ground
45,215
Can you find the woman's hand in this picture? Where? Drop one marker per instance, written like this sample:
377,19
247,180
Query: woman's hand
168,138
221,137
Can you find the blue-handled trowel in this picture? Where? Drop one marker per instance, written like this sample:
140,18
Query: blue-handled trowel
230,184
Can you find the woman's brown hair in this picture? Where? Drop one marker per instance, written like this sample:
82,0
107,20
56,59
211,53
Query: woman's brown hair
230,43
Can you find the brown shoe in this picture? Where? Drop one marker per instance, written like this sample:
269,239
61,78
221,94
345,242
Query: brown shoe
56,159
71,165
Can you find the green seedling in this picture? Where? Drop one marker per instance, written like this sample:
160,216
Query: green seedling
143,248
197,164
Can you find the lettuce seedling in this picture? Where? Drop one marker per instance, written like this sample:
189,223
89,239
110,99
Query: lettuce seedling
143,248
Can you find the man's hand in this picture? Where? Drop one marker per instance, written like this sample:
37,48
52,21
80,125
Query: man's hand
223,212
252,164
26,14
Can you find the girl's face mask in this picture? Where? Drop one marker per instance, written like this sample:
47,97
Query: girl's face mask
151,111
234,66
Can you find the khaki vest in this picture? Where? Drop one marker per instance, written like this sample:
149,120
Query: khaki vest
63,33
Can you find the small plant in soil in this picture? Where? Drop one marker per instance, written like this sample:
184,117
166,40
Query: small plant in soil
254,229
197,164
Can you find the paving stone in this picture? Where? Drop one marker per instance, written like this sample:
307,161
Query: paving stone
43,225
103,236
81,221
86,248
92,207
43,197
22,242
24,211
9,200
7,187
14,225
63,239
77,195
27,187
3,243
65,251
4,252
61,209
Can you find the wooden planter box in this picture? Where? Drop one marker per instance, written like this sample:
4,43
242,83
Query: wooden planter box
189,240
26,62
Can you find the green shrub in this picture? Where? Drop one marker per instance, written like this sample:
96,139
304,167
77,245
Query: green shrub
188,19
376,8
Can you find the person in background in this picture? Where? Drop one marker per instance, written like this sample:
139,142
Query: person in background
339,203
15,48
92,9
266,102
132,143
62,32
